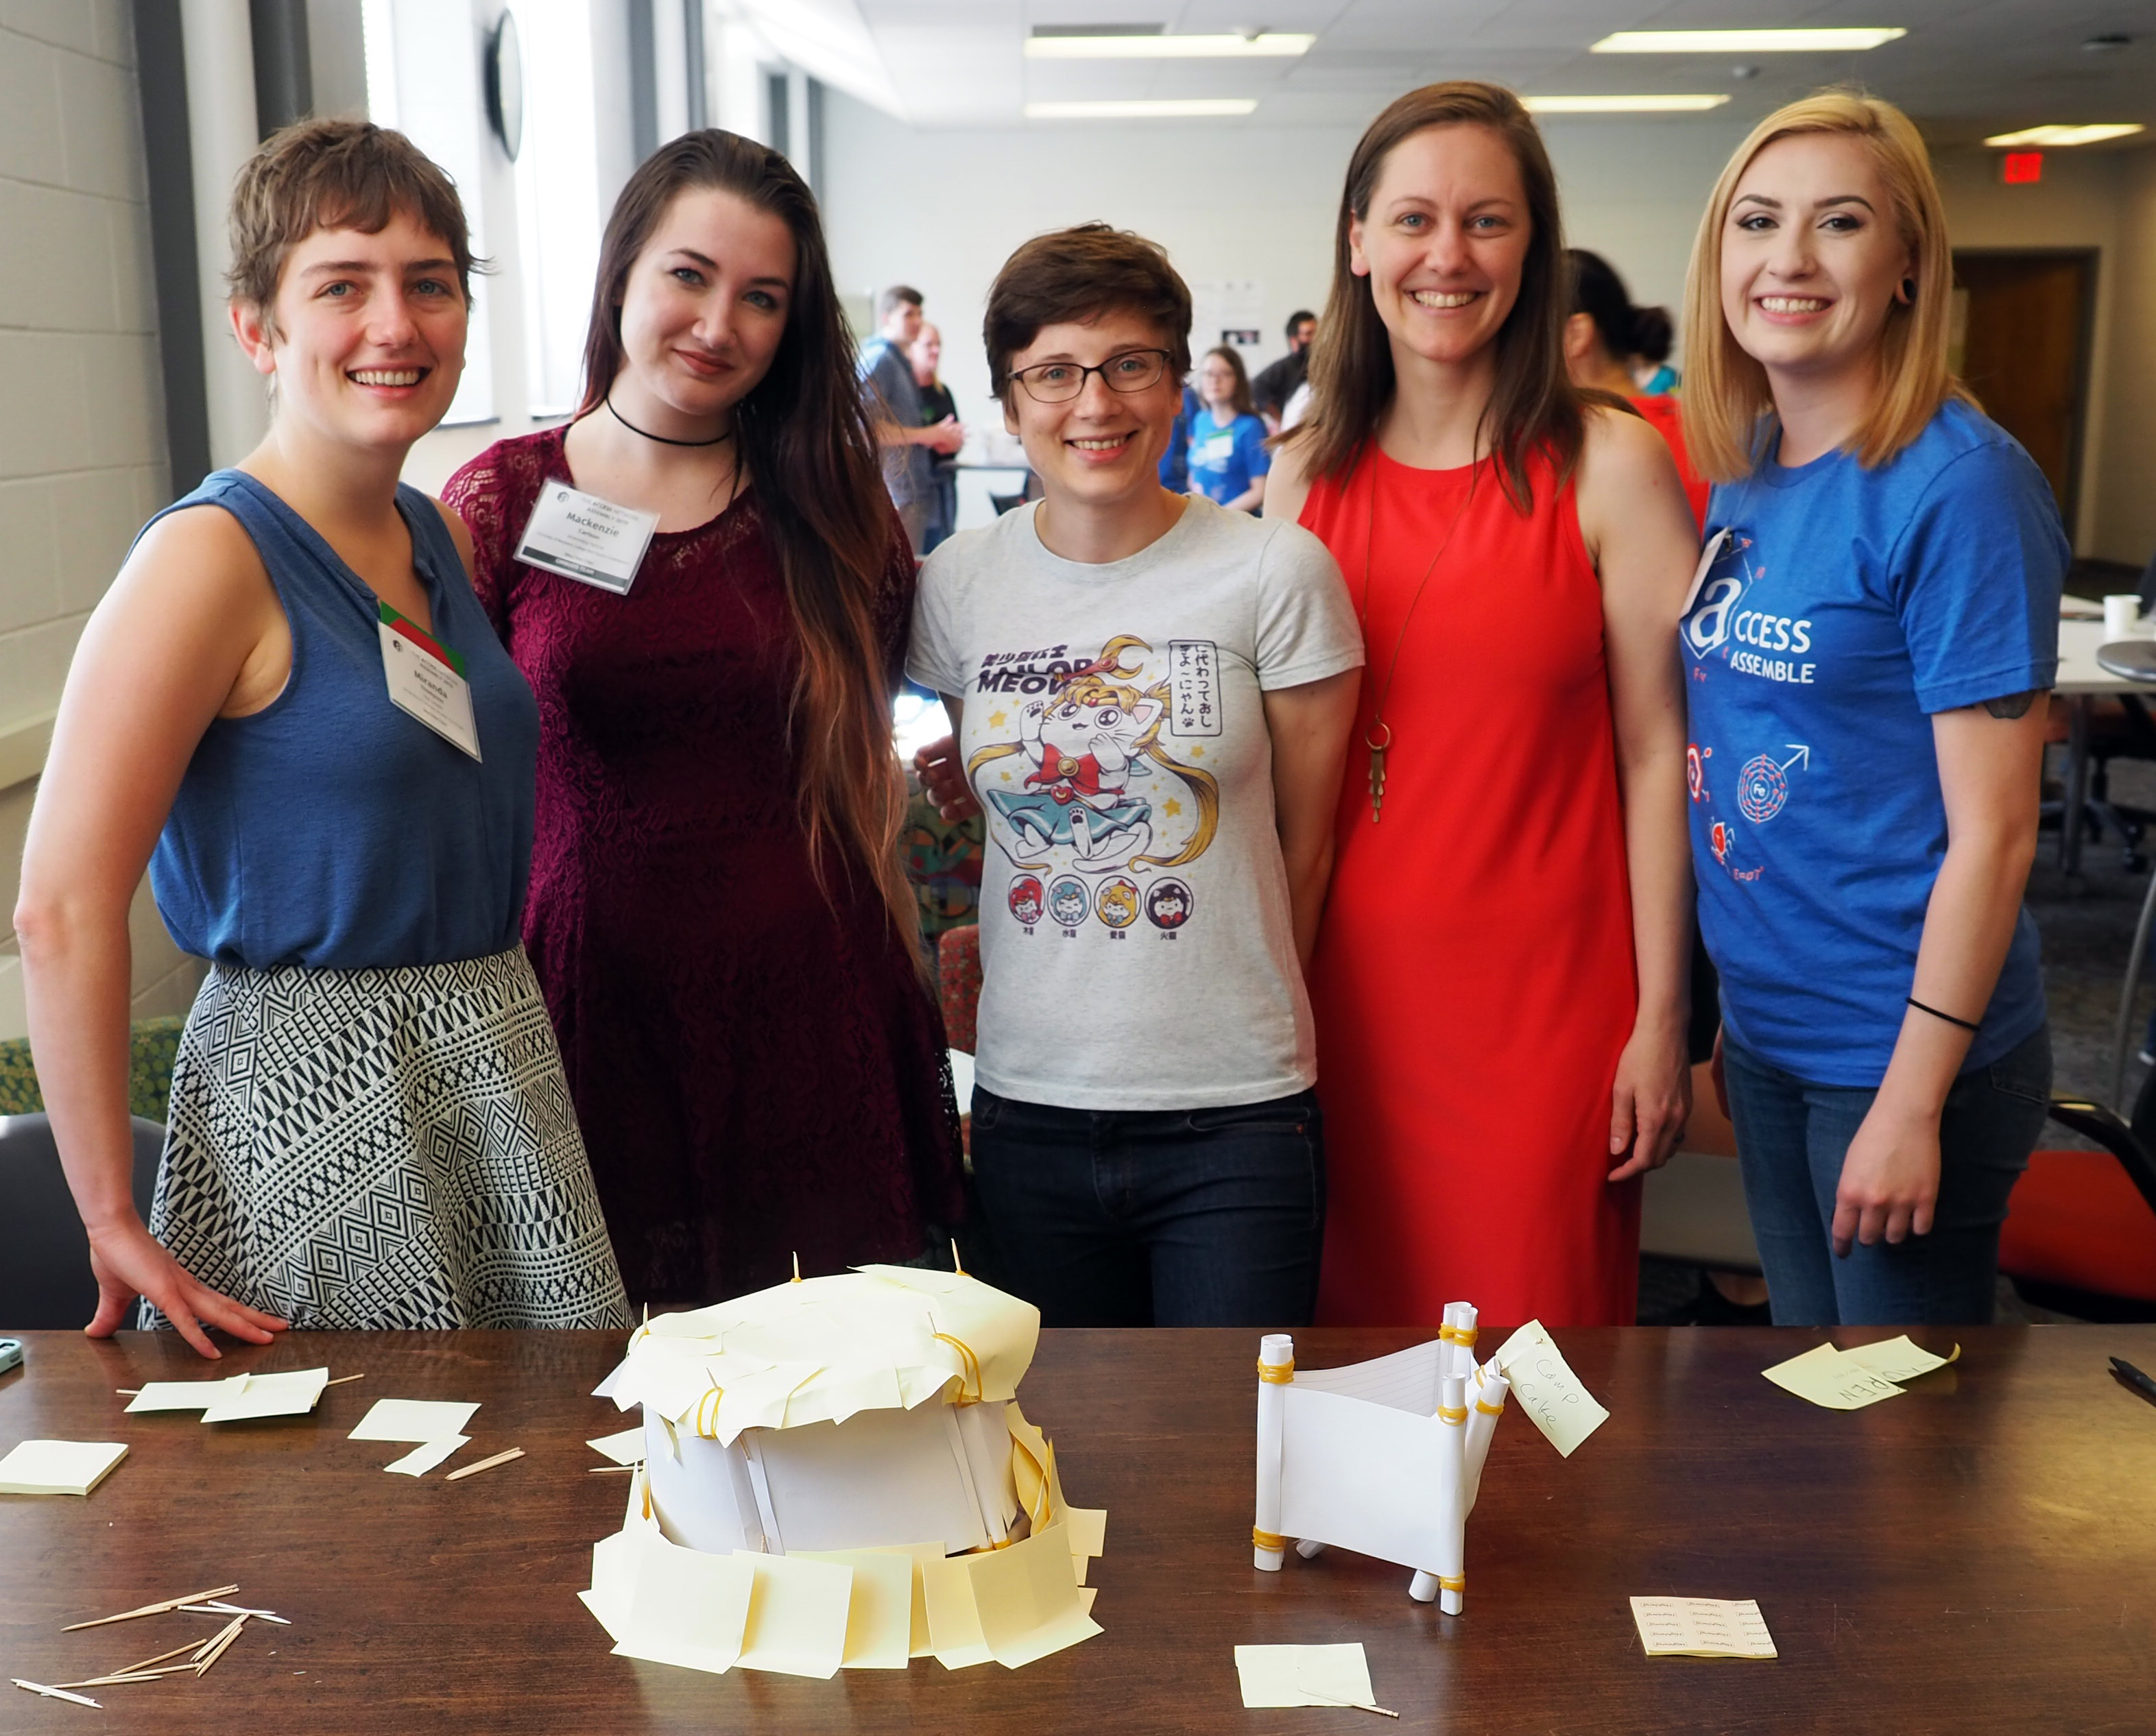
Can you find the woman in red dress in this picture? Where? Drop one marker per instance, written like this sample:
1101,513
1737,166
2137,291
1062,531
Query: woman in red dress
1499,983
717,915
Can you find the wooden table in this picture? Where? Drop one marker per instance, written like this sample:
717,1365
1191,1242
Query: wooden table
1978,1554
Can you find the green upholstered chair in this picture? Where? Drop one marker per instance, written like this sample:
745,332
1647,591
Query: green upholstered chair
152,1046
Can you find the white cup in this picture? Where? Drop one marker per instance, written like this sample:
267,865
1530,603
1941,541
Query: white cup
2121,619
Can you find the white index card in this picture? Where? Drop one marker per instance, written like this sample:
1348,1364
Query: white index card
413,1420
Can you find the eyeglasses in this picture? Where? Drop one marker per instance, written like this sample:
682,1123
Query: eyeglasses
1058,383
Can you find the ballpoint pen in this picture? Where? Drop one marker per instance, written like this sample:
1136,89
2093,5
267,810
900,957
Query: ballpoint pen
2134,1378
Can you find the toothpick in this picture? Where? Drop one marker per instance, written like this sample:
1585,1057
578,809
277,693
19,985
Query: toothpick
610,1470
129,1392
958,1265
341,1379
224,1633
55,1694
797,1267
500,1458
160,1658
114,1680
154,1609
219,1646
1357,1705
234,1609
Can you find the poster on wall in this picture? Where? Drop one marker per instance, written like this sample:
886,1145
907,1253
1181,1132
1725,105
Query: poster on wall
1230,312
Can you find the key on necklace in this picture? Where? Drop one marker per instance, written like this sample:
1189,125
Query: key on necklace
1377,780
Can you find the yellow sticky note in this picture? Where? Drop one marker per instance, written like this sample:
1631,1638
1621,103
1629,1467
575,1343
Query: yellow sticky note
1555,1400
1027,1600
1898,1358
1086,1594
954,1618
1702,1627
1831,1378
880,1619
1305,1675
1088,1527
671,1606
625,1448
796,1615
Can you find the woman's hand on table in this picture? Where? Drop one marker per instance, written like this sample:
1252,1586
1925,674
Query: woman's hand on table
1890,1178
1650,1101
128,1261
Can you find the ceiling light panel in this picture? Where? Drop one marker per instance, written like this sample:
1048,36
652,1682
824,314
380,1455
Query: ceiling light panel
2067,135
1621,105
1164,109
1744,42
1267,45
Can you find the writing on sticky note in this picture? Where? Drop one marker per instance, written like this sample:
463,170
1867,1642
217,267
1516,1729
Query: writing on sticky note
1555,1400
1702,1627
1898,1360
1832,1379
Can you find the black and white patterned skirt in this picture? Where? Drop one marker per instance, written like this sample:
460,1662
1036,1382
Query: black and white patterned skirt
383,1149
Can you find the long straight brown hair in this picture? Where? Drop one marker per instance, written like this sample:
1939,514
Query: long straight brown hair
1533,404
804,442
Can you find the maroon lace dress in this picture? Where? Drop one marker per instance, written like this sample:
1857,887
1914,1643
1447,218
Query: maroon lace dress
757,1067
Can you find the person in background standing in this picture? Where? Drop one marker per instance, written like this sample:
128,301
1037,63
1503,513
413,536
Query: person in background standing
1867,660
1277,381
893,407
1227,456
719,914
1174,469
937,406
1602,329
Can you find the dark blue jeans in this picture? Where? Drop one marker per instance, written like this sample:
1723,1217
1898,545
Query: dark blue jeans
1156,1218
1791,1138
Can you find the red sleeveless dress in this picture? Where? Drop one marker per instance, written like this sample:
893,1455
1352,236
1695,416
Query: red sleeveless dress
1474,982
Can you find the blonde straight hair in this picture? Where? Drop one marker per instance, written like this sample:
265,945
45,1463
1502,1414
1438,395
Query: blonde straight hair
1725,399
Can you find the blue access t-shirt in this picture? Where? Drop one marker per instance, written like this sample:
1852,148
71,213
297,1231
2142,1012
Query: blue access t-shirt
1223,459
1845,607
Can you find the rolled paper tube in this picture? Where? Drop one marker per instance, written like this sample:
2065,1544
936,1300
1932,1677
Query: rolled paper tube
1481,1424
1457,1337
1452,1483
1309,1548
1275,1372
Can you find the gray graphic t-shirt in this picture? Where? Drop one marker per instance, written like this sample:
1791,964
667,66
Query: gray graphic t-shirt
1137,947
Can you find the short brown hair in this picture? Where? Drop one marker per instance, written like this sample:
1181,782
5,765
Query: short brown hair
897,296
1075,275
335,175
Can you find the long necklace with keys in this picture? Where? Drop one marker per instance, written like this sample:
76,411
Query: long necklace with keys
1378,738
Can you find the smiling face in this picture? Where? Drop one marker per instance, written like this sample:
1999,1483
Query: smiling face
1101,448
703,307
1444,242
365,341
1812,257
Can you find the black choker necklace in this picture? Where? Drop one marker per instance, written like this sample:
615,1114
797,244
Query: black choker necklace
718,440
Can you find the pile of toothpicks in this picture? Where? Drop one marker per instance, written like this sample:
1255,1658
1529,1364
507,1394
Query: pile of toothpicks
194,1658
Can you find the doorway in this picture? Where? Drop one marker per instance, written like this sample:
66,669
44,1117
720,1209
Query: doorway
2020,341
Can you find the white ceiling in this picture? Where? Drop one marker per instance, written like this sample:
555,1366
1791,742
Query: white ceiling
1966,68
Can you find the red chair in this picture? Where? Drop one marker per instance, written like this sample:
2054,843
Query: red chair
2079,1235
958,984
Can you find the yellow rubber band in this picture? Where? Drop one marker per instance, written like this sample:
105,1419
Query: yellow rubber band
1495,1409
1276,1373
1457,1334
973,1368
1452,1413
712,1397
1445,1582
1268,1539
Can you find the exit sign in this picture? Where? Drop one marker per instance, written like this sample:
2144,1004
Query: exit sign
2023,168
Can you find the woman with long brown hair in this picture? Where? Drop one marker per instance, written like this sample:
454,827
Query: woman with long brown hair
703,579
1499,982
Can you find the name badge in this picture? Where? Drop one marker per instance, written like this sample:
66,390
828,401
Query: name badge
427,679
582,537
1699,573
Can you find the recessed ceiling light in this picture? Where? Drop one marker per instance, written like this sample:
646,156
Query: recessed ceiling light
1167,47
1168,109
1621,105
1742,42
2066,134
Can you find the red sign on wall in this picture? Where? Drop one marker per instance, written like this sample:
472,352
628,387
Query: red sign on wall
2023,168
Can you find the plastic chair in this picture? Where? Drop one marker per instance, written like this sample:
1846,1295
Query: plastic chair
45,1282
2079,1235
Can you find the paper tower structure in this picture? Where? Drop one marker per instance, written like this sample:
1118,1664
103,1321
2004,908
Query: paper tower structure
872,1411
1383,1457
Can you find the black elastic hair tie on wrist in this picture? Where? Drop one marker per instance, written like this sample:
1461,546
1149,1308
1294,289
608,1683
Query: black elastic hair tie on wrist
1937,1014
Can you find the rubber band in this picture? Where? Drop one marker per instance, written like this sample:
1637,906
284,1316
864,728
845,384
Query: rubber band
1447,1582
1277,1373
973,1368
714,1397
1495,1409
1452,1413
1268,1539
1457,1334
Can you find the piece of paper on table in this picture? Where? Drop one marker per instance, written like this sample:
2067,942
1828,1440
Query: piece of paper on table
184,1395
1831,1378
1702,1627
1027,1600
954,1618
796,1614
1544,1386
59,1467
672,1605
1305,1675
291,1394
880,1619
413,1420
625,1448
427,1454
1898,1358
1088,1527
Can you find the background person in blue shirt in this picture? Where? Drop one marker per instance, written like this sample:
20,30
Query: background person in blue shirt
1864,661
1227,457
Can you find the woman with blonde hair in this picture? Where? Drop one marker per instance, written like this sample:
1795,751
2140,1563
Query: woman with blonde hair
1501,982
1867,656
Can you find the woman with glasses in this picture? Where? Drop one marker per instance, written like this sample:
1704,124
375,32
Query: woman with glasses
1152,697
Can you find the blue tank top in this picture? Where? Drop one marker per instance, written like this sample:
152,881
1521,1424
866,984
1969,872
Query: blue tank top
329,828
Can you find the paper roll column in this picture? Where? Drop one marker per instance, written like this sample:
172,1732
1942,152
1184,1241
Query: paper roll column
1449,1583
1486,1403
1456,1361
1275,1372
